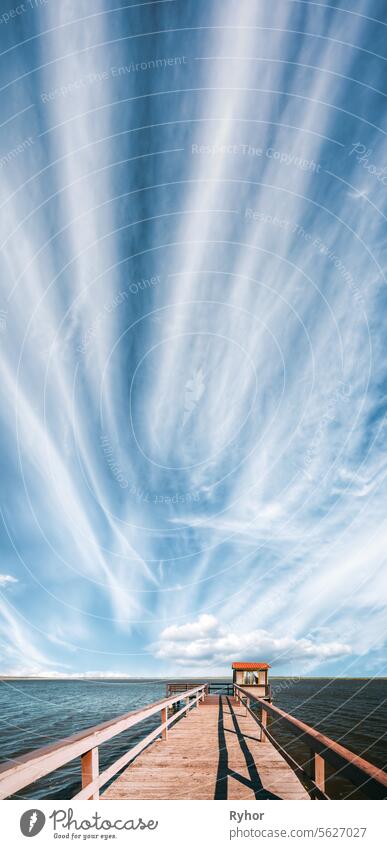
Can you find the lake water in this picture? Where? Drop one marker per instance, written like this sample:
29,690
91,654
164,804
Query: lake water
37,713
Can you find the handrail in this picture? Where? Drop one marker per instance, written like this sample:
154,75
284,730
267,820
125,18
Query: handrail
220,688
179,687
223,687
353,767
36,764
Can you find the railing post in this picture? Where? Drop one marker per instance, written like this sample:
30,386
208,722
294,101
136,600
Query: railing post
319,772
264,724
187,706
247,705
90,770
164,718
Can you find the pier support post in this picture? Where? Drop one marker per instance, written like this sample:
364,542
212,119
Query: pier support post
90,770
319,772
164,718
264,724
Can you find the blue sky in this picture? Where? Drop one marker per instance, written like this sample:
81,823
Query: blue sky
193,354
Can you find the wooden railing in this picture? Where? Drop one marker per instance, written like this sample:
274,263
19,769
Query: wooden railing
219,687
36,764
180,687
362,774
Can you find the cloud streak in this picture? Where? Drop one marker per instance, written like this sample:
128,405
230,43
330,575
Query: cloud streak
192,299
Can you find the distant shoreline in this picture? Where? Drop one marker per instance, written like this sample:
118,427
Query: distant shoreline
192,678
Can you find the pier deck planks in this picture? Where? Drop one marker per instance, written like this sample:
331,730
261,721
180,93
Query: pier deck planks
214,753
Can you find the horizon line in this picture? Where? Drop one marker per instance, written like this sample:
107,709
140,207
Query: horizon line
183,678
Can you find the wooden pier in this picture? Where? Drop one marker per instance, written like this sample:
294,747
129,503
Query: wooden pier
207,746
214,753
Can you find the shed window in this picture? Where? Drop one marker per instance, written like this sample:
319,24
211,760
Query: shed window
248,678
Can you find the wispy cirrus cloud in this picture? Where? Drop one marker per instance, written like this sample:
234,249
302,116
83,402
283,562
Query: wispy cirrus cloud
242,397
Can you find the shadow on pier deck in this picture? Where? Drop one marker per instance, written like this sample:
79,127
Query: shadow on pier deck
213,753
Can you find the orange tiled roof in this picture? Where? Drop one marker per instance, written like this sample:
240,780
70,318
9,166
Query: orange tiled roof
250,666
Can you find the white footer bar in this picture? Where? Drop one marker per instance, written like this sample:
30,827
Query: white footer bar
189,824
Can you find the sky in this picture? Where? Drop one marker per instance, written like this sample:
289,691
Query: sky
192,337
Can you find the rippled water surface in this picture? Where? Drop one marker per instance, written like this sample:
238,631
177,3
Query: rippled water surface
351,711
37,713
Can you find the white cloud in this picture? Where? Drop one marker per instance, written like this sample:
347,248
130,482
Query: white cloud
201,629
17,645
7,579
205,643
39,672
